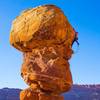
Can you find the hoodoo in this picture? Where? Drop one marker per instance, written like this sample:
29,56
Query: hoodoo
45,37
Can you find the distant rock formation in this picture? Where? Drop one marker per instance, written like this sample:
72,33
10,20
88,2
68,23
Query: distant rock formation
78,92
9,94
83,92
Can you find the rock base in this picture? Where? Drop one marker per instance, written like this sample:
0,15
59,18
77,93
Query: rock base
30,95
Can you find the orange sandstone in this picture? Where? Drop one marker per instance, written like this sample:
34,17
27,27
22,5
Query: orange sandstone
45,37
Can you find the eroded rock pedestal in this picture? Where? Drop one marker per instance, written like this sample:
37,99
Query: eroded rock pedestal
45,37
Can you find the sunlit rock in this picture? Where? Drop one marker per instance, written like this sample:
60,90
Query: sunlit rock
45,37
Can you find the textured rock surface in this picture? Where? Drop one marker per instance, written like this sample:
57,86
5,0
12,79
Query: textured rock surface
45,37
48,69
28,94
44,25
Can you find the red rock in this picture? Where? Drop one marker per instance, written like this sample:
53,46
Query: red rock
28,94
43,25
45,37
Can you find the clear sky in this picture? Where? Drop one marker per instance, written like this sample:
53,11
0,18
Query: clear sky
84,15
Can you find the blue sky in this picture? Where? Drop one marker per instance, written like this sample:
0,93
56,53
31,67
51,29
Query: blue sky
84,15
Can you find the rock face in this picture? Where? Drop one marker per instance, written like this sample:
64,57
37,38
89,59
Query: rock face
45,37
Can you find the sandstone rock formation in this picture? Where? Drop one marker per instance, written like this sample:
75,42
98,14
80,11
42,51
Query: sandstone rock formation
45,37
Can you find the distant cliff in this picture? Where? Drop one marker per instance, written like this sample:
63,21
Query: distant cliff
9,94
78,92
83,92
